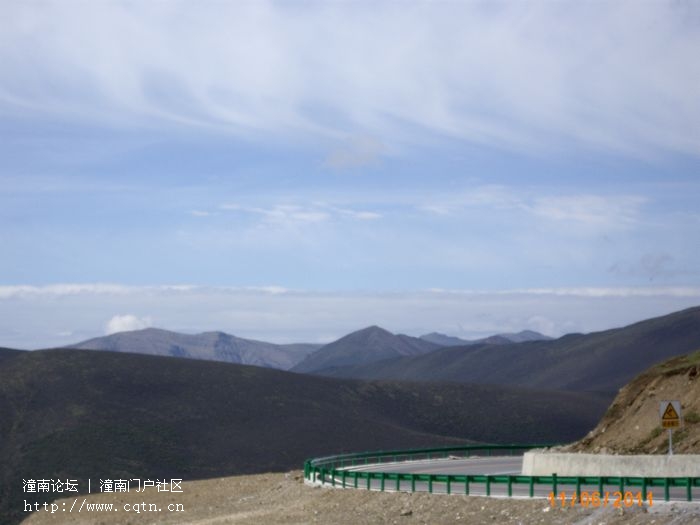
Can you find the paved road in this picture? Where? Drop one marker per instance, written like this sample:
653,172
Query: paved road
473,465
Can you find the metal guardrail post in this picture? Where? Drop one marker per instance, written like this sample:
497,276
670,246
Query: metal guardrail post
510,486
466,485
488,485
430,483
688,489
554,484
449,485
578,488
532,487
413,482
667,492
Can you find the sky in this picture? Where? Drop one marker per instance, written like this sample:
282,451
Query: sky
294,171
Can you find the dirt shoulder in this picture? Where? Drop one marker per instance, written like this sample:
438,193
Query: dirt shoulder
284,499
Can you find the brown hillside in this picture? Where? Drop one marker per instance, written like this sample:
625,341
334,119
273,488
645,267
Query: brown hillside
632,423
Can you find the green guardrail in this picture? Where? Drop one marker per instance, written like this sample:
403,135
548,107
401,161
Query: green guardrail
331,470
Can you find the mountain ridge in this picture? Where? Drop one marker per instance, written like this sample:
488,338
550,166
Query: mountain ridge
602,361
210,346
519,337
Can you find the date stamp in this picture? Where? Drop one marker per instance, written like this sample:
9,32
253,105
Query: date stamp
600,499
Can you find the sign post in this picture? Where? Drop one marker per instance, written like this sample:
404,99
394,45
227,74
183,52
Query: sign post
670,412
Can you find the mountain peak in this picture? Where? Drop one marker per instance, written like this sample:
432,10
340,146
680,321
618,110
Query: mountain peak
373,330
364,346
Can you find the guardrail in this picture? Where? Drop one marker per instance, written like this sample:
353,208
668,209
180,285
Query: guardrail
332,470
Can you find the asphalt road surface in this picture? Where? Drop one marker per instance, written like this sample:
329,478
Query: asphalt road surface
474,465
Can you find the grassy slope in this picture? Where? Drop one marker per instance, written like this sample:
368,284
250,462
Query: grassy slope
602,361
82,414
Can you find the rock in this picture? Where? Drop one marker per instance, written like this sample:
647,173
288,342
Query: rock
406,512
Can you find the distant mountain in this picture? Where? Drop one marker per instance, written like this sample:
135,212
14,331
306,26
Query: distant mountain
444,340
602,361
77,414
526,335
209,346
9,352
520,337
363,347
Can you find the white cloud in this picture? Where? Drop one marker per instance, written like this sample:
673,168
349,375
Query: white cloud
529,76
290,215
618,212
7,292
587,211
84,289
126,323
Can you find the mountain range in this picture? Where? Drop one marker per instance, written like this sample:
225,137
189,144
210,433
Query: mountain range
600,361
520,337
364,346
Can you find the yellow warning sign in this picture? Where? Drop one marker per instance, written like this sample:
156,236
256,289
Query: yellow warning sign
670,417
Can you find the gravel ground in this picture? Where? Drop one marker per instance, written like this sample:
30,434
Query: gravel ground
283,498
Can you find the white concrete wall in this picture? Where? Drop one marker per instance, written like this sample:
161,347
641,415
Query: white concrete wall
539,463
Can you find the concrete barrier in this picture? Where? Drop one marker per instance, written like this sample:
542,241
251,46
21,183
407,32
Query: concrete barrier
540,463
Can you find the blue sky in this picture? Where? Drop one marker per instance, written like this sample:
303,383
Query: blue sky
297,171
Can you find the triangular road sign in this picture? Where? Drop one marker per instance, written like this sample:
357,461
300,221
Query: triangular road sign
670,412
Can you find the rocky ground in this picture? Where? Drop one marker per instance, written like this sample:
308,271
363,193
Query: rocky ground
632,423
284,499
